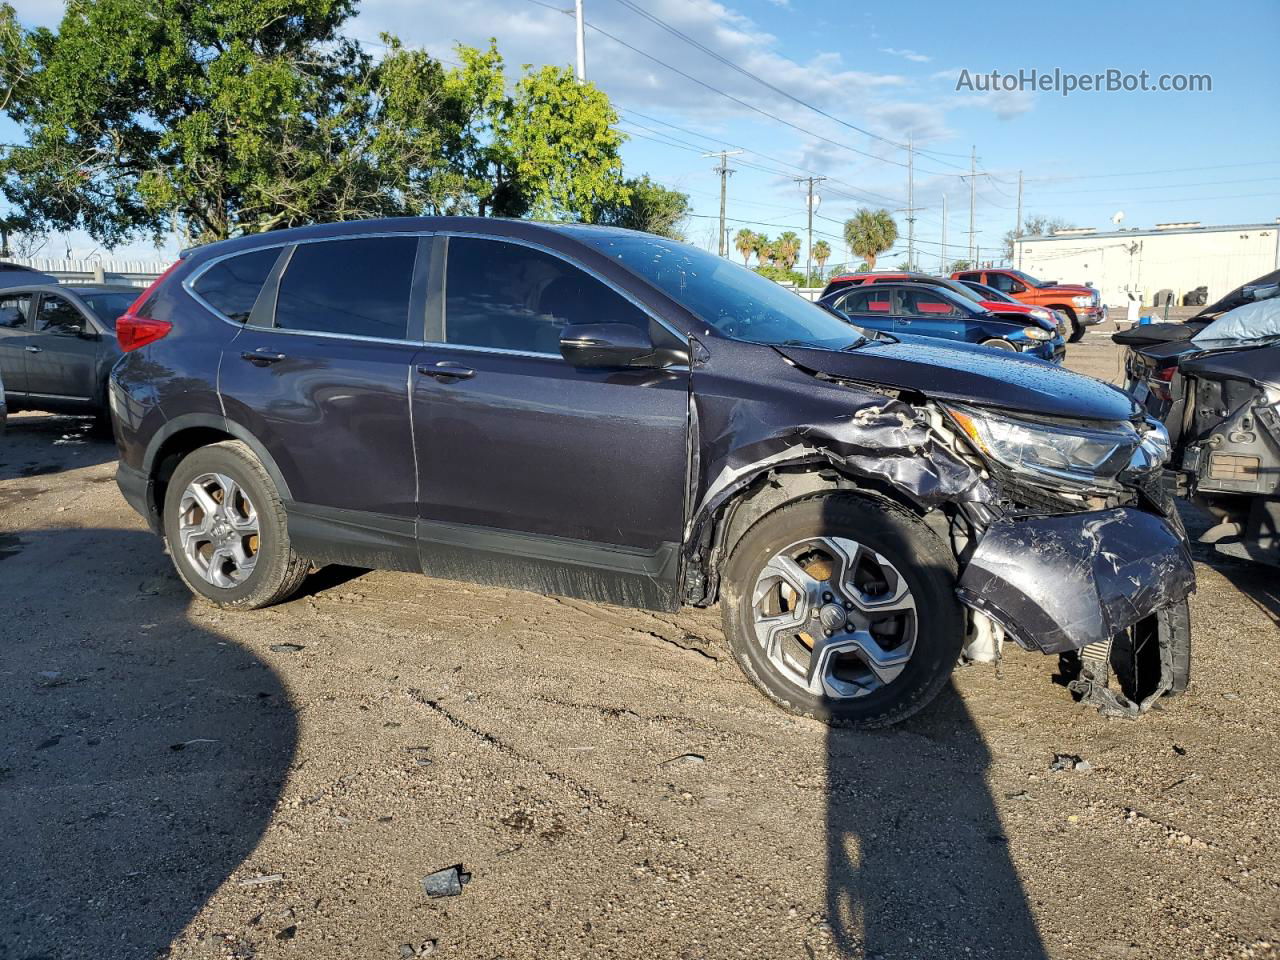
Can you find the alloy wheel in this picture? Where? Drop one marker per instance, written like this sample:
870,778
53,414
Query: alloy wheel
218,529
834,618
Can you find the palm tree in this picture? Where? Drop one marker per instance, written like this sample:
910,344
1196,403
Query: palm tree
760,244
870,233
821,253
788,249
744,241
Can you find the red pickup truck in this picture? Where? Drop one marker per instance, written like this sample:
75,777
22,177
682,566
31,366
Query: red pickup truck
1081,304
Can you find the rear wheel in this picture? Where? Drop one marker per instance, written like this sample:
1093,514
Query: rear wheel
843,609
226,529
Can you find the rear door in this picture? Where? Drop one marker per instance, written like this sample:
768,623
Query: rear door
534,473
62,361
319,374
925,314
869,306
15,336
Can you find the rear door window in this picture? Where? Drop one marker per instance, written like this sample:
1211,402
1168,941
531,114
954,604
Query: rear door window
231,286
507,296
14,312
357,288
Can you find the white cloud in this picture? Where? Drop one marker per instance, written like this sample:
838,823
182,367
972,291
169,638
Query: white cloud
906,54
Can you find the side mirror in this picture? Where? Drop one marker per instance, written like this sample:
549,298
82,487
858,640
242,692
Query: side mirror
606,345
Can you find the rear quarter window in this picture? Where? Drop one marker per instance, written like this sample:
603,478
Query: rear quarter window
231,286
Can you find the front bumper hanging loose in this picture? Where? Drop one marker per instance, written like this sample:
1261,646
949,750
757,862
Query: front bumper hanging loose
1063,583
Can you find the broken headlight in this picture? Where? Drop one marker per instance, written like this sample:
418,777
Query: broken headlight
1088,456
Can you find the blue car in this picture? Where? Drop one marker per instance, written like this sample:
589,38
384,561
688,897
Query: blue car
925,310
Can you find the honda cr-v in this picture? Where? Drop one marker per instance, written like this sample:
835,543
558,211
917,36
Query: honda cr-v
610,415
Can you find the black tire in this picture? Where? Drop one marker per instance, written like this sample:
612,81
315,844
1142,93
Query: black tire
925,562
997,344
1077,329
278,571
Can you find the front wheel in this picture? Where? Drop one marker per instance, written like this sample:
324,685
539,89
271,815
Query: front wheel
997,344
226,529
843,609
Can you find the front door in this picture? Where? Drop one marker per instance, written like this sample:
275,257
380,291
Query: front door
534,473
926,314
16,334
64,362
320,377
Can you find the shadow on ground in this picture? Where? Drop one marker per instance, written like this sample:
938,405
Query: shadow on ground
36,444
141,759
918,862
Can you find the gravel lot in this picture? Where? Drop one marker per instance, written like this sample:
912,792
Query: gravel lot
180,781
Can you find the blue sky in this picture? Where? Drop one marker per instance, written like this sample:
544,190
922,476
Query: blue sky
1213,157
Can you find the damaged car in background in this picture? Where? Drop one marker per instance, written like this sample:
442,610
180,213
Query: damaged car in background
599,413
1216,384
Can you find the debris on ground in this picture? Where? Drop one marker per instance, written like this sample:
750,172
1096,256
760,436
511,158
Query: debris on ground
287,647
262,879
1070,761
684,758
186,743
446,883
419,755
288,933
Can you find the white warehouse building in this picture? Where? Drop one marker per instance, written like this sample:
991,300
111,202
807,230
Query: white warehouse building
1170,256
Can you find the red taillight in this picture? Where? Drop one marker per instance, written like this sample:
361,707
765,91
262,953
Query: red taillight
133,331
1166,374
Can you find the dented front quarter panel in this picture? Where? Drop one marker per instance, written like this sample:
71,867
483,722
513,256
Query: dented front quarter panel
1060,583
784,416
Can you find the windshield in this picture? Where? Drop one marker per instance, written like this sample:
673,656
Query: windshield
956,287
727,297
990,293
107,306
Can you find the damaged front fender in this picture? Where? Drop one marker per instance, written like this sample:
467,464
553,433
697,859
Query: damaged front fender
1061,583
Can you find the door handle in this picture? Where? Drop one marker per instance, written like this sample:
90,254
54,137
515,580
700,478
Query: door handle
33,349
447,371
262,357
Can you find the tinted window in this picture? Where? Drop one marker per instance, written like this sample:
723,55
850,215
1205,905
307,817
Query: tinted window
1001,281
57,315
107,306
919,303
869,299
512,297
231,286
359,288
14,311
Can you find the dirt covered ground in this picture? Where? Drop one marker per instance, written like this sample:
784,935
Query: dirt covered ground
180,781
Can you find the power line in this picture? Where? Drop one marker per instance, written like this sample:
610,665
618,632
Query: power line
760,80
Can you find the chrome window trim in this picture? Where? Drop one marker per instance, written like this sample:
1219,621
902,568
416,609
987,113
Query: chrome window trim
188,284
519,241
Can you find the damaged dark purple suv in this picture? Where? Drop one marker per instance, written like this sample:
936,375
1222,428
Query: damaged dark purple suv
610,415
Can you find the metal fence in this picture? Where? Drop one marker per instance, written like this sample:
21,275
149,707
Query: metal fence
137,273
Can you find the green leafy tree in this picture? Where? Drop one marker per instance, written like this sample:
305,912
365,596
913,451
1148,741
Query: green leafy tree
958,265
762,245
648,206
744,241
870,233
821,254
238,116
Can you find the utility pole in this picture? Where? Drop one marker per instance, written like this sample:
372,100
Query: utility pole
724,171
1017,227
973,195
942,260
911,203
808,262
582,44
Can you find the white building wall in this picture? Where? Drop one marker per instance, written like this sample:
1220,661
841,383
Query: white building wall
1145,262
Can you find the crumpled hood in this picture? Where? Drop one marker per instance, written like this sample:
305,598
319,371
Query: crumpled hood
971,374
